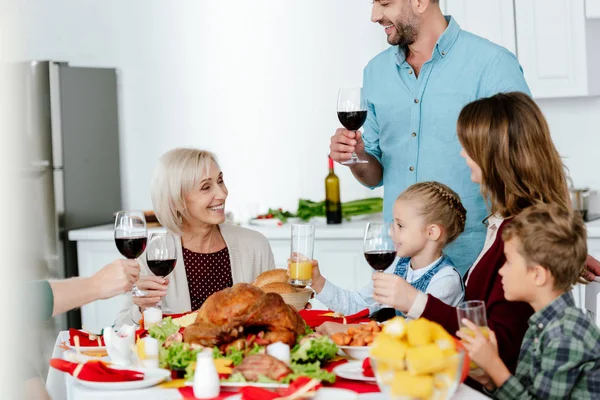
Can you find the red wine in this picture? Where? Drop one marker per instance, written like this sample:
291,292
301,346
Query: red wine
379,260
352,120
161,267
131,247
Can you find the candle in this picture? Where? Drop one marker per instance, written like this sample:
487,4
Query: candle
206,378
280,351
152,316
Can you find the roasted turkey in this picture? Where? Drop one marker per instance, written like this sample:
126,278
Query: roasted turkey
243,310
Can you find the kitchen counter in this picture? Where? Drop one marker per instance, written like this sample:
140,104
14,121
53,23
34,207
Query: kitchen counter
346,230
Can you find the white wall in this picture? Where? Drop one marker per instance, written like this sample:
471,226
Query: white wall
254,81
575,127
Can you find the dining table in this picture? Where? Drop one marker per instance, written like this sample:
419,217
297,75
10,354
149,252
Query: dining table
62,386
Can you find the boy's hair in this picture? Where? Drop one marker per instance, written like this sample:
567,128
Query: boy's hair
553,237
438,205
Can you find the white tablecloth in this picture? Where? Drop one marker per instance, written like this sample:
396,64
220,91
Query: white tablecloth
62,386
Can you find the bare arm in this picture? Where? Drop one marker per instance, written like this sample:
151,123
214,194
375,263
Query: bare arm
113,279
369,174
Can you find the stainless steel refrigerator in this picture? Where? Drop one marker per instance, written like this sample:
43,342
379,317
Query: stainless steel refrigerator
72,134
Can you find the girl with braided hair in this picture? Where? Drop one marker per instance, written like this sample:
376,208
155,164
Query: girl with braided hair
427,217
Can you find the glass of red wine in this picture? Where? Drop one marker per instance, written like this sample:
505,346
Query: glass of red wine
130,237
379,246
352,113
161,254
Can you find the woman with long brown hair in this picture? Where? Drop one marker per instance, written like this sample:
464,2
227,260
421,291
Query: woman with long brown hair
507,144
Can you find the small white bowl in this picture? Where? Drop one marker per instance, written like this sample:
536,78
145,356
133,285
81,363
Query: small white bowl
356,352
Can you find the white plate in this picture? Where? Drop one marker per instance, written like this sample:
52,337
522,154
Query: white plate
373,396
239,385
272,221
352,370
322,394
356,352
152,376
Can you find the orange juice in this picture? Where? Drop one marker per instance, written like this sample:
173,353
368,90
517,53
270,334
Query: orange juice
485,331
301,270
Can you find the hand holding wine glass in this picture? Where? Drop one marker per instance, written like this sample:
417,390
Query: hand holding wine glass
161,254
352,113
130,237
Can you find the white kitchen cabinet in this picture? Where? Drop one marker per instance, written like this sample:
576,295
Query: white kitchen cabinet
592,8
557,47
491,19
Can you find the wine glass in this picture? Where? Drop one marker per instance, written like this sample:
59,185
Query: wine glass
161,254
130,237
378,246
352,113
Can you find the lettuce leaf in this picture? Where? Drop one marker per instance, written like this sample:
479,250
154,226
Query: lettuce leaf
163,329
320,349
177,355
310,370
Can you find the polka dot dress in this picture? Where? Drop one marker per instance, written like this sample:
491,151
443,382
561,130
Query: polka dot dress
207,273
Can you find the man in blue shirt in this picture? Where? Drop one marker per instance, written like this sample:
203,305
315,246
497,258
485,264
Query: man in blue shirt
415,91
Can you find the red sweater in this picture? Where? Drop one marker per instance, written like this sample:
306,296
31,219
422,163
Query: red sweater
507,319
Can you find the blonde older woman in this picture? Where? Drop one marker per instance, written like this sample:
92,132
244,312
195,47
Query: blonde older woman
188,194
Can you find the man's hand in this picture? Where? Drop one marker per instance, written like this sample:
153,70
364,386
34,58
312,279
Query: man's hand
154,287
343,143
393,291
592,269
116,278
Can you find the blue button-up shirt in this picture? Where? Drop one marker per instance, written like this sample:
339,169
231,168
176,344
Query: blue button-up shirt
411,124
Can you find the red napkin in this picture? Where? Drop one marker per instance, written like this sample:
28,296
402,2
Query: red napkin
366,367
314,318
300,385
84,338
96,371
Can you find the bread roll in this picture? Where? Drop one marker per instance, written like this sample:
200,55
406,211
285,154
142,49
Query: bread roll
272,276
279,288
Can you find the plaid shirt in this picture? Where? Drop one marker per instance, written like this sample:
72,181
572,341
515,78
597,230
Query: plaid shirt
560,356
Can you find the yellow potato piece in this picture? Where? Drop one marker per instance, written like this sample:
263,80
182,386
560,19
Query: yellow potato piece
439,333
406,384
425,359
395,327
223,365
419,332
388,348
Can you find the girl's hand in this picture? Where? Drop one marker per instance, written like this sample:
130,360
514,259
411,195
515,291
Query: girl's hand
393,291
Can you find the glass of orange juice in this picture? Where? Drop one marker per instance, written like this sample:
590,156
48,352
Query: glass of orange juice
301,255
474,311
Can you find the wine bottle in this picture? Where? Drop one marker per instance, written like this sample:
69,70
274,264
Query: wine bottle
333,204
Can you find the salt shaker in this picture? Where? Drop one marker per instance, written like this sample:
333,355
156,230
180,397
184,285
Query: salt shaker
151,352
152,316
206,378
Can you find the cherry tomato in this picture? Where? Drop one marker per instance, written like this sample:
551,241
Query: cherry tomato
269,216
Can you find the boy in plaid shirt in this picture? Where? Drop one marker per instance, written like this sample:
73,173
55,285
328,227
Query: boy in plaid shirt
545,248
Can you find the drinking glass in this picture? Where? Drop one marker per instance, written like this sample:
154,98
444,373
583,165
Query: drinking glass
130,237
474,311
352,113
161,254
378,246
301,254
